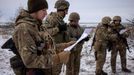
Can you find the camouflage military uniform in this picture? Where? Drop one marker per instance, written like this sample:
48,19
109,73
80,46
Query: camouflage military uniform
74,31
102,37
56,26
120,47
28,42
52,22
35,47
73,65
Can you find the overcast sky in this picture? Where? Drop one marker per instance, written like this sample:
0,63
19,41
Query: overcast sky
89,10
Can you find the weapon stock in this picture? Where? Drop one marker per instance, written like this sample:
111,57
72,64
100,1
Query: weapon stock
9,44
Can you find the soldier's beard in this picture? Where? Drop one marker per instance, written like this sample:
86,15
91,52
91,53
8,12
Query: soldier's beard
73,25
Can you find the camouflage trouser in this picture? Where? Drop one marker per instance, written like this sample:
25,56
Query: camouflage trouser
122,53
101,57
73,65
56,70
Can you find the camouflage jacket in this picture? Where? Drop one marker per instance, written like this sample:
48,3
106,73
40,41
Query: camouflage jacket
75,34
118,28
103,35
122,42
32,48
35,47
53,20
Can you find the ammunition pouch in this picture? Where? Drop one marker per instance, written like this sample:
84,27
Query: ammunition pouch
17,65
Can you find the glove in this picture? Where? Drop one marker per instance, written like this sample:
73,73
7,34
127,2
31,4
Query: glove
61,57
86,39
70,43
64,56
62,27
77,37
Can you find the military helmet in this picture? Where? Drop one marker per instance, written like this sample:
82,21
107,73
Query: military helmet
118,18
74,16
106,20
61,5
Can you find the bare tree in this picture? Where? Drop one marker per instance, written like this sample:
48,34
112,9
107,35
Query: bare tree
131,21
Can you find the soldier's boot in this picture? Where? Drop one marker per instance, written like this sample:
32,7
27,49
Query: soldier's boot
104,73
101,73
126,70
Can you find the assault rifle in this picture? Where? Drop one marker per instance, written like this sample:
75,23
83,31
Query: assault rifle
9,44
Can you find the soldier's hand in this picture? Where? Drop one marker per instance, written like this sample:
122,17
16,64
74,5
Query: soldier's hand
60,47
61,57
64,56
85,39
126,33
70,43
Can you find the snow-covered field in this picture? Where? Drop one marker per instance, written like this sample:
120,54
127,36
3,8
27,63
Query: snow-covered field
87,66
5,55
88,61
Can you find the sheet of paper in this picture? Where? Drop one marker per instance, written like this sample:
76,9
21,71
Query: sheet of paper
122,31
84,35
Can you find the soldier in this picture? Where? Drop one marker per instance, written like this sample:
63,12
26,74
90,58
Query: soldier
102,36
57,27
35,47
120,46
74,31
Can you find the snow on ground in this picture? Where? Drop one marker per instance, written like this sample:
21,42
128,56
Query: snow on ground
87,66
88,61
5,55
